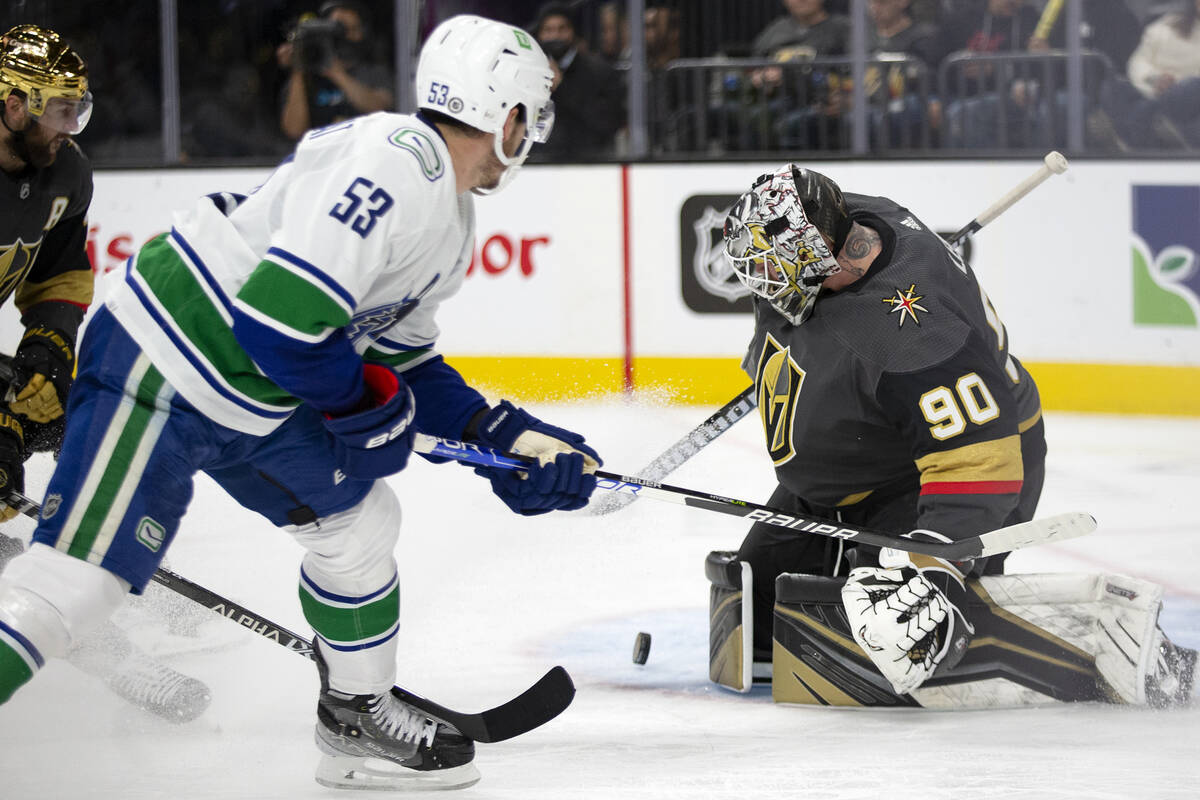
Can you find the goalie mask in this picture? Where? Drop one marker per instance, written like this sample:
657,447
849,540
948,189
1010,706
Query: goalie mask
52,77
775,238
476,71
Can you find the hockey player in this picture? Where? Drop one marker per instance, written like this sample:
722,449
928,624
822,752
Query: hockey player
284,344
889,400
47,188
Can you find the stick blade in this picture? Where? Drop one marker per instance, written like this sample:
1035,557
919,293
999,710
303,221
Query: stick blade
1047,530
531,709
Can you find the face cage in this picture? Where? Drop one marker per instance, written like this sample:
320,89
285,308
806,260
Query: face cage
790,288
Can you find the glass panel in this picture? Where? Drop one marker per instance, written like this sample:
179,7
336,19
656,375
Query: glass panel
120,43
256,76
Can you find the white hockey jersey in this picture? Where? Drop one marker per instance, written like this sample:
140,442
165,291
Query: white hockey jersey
359,236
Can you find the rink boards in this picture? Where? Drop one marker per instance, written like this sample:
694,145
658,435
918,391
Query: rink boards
587,279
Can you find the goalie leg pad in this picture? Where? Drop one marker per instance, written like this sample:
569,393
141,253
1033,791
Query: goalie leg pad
730,621
350,591
815,660
1031,647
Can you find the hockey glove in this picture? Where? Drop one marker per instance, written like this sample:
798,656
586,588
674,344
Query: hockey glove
45,367
376,442
12,462
562,476
908,618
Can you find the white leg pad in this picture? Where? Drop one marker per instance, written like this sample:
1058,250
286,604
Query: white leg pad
1113,617
351,555
54,599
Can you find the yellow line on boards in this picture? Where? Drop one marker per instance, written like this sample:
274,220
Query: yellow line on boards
1099,388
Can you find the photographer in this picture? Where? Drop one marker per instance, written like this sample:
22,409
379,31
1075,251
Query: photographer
332,74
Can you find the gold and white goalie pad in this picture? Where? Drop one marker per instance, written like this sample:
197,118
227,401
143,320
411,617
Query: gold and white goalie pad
1039,638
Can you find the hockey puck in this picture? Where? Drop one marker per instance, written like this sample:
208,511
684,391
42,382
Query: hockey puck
641,648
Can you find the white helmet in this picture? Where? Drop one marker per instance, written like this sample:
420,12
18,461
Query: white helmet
477,70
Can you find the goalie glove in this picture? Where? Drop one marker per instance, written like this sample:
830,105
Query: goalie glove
562,477
907,616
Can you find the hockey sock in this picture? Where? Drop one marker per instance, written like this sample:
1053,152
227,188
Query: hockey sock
19,659
358,632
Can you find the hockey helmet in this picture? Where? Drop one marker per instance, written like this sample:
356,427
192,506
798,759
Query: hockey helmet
775,237
53,77
477,70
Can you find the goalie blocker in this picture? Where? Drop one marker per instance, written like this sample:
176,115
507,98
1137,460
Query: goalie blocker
1039,639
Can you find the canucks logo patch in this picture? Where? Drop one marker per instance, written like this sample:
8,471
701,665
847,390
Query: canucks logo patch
151,534
778,380
421,146
905,303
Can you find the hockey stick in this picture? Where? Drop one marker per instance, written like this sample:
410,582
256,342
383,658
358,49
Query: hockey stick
704,434
1054,163
671,458
537,705
1002,540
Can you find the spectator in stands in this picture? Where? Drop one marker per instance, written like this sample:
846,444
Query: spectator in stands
661,29
613,45
1108,27
805,31
896,104
975,90
1159,106
588,97
334,73
793,107
897,94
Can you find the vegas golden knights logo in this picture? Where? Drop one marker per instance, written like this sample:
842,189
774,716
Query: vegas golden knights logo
778,381
15,261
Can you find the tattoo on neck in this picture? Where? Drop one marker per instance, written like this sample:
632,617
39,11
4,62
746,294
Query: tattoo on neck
860,242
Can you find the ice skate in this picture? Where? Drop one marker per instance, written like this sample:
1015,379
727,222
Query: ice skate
377,741
157,688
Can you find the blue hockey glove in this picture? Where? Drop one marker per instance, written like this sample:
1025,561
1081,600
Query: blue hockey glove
376,442
560,479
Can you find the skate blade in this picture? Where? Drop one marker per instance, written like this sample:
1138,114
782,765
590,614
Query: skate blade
356,772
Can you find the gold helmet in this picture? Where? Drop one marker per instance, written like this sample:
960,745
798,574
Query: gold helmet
49,73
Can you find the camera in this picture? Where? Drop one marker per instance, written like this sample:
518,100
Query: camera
314,43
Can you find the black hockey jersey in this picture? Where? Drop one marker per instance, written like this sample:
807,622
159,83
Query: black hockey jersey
43,239
899,386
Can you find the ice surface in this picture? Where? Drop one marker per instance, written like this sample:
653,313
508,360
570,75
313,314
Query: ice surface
492,600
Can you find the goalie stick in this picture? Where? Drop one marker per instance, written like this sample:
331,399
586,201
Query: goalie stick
671,458
1002,540
704,434
537,705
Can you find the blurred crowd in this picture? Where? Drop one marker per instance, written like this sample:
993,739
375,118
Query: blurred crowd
721,76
